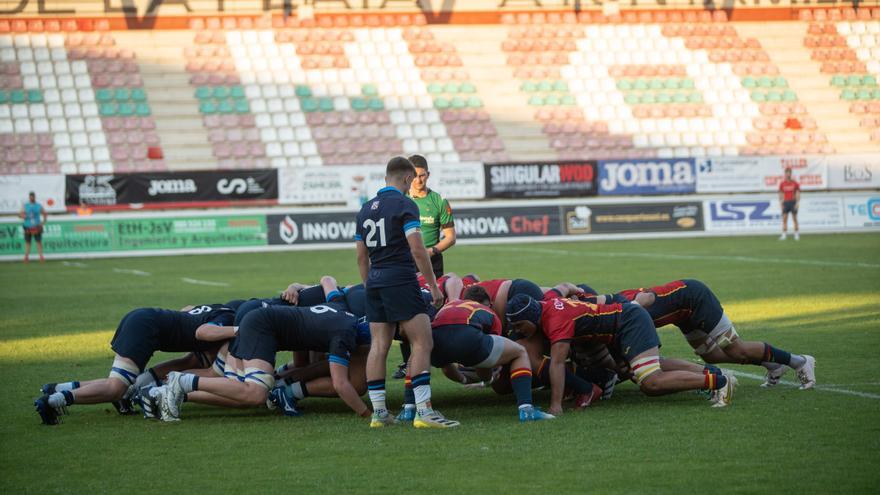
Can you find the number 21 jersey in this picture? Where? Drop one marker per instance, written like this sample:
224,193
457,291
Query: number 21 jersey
383,225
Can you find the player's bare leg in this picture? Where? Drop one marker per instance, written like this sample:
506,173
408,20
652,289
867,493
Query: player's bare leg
784,226
653,381
381,335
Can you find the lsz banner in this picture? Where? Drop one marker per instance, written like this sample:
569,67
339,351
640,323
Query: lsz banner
171,187
762,213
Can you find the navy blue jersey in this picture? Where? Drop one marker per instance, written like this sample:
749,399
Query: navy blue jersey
181,337
311,296
253,304
322,328
355,298
383,225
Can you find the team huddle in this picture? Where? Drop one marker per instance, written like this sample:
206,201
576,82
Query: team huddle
508,334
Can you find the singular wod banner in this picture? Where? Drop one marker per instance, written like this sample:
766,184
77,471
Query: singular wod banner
541,180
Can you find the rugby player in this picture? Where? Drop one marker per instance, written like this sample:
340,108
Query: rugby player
469,333
626,327
140,333
388,241
789,199
262,333
692,307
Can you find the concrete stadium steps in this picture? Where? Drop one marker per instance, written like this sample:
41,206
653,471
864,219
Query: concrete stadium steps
480,50
784,41
178,122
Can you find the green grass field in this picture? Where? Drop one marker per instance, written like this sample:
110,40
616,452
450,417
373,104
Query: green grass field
819,296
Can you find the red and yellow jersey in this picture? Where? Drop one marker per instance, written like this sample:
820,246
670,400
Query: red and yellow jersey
788,188
460,312
492,286
577,321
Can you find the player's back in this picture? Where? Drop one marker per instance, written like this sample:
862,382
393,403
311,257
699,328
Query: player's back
470,313
179,332
317,327
382,225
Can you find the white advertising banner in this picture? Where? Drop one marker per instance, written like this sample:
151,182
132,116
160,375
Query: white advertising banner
354,184
759,173
862,211
14,190
762,213
854,171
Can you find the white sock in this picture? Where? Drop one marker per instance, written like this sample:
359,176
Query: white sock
297,391
66,386
187,381
797,361
57,400
377,398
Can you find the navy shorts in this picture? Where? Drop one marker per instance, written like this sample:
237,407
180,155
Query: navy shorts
789,207
637,333
33,232
706,308
137,336
311,296
527,287
461,344
256,338
245,308
395,304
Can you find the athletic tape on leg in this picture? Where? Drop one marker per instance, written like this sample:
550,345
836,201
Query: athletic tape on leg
259,377
124,371
645,367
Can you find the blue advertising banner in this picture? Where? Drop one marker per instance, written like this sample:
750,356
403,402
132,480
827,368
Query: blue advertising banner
647,176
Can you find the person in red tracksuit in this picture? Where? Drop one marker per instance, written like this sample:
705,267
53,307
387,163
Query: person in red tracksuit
789,199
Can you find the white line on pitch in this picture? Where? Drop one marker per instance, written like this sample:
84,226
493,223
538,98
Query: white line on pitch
748,259
823,388
132,272
204,282
74,263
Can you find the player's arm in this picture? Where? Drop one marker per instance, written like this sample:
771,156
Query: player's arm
291,293
209,332
21,214
363,259
331,289
423,263
43,216
186,308
447,228
558,355
567,289
797,196
343,386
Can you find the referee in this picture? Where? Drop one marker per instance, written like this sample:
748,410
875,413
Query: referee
435,214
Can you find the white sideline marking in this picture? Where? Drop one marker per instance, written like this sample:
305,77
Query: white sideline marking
749,259
74,263
132,272
204,282
823,388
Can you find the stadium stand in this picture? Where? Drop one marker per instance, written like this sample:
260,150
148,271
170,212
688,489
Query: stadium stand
242,92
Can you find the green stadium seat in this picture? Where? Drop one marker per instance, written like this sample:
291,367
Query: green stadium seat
854,80
221,92
309,104
875,93
236,92
441,103
848,95
451,88
673,83
4,97
765,82
474,102
680,97
369,90
435,89
838,81
241,105
758,97
325,104
107,109
303,91
545,86
631,98
695,97
789,96
551,100
663,98
17,96
749,83
125,109
225,106
468,88
780,82
207,107
202,92
687,84
869,80
560,86
657,84
376,104
624,85
35,96
142,110
458,103
640,84
536,101
865,94
358,104
122,94
567,100
648,98
138,95
774,96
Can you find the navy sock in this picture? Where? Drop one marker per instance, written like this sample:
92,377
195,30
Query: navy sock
774,355
409,397
521,381
711,368
68,397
